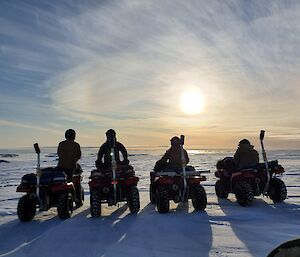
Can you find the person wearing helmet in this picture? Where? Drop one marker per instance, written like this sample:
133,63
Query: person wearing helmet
172,158
245,156
104,155
69,153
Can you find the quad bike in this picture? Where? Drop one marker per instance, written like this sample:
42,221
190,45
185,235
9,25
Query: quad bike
179,185
113,185
49,188
250,182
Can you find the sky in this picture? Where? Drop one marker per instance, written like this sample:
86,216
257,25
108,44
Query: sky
95,65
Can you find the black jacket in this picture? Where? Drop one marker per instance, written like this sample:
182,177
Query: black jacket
172,159
104,153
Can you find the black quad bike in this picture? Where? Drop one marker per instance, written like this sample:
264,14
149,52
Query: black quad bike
178,185
247,183
49,188
113,185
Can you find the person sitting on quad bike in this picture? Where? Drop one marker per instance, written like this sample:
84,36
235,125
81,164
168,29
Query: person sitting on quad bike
114,180
69,153
245,177
104,152
245,156
172,158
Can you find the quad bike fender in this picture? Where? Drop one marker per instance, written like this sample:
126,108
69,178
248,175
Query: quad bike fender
95,183
69,186
243,174
132,181
278,170
196,180
166,180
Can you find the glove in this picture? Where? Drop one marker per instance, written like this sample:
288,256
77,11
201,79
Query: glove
125,162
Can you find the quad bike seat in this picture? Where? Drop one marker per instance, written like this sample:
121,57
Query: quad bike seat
122,171
48,176
178,170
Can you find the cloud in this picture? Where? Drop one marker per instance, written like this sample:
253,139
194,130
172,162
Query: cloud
125,64
28,126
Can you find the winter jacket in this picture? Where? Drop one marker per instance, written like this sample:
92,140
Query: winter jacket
104,152
246,156
69,153
172,158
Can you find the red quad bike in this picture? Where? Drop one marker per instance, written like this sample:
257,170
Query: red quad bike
114,185
46,189
178,185
247,183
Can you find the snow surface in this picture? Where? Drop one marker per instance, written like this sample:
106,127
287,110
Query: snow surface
224,229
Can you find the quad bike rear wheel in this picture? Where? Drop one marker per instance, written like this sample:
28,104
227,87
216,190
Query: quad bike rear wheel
95,202
244,194
65,205
152,195
221,190
134,200
162,200
199,198
26,208
277,190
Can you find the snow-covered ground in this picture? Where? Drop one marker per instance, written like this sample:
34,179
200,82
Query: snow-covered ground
224,229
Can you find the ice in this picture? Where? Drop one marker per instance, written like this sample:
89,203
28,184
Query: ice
4,161
8,155
224,229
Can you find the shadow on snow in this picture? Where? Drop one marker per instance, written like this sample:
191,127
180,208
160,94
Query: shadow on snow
251,223
119,233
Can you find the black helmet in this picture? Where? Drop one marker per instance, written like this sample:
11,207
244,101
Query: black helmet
110,133
244,142
70,134
175,141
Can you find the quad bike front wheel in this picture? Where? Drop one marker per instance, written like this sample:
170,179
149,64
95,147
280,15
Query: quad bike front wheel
95,202
65,205
162,200
244,194
277,190
221,190
26,208
199,198
134,200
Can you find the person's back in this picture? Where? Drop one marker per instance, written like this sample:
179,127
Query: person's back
246,156
104,154
172,158
68,152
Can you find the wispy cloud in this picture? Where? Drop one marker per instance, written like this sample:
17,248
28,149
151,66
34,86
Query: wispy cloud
28,126
124,64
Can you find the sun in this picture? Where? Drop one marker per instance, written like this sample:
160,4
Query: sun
192,102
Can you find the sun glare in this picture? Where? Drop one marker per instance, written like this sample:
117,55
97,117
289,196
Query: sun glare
192,102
